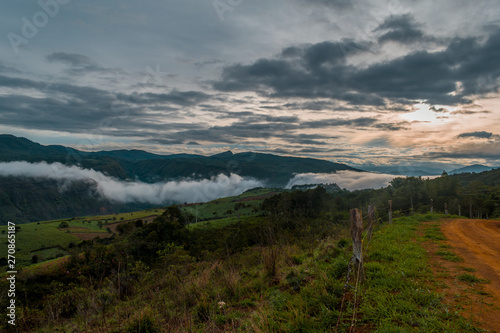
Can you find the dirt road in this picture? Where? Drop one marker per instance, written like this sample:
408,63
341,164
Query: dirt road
478,243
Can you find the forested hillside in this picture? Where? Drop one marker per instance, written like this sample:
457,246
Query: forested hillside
28,199
147,167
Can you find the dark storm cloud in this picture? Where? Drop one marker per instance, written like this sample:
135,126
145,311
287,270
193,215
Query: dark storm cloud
233,114
308,139
78,63
320,70
183,98
318,150
480,135
7,69
400,28
71,59
438,110
259,127
335,4
317,105
480,152
358,122
162,141
403,125
80,109
470,112
14,82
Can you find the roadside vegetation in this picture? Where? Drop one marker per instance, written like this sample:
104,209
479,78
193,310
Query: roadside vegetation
285,268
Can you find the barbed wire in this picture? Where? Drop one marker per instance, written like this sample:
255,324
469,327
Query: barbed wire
344,291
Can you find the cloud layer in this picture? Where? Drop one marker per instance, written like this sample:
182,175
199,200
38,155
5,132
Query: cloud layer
294,77
125,192
349,180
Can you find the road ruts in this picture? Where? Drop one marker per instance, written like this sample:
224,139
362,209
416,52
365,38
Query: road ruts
478,243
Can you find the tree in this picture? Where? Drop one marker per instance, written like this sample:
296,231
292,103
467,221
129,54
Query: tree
34,259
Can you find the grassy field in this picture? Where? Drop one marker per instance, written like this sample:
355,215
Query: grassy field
283,287
47,241
36,236
125,216
244,204
312,291
219,223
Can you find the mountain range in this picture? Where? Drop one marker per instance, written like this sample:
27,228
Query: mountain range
24,199
476,168
148,167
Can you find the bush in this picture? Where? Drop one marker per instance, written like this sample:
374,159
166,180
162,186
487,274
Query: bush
342,243
63,224
145,324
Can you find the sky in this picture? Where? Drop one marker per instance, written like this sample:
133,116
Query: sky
366,83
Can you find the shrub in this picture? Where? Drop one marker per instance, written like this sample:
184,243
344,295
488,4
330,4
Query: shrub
342,243
144,324
63,224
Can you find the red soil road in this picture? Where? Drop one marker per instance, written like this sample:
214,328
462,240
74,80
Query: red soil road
478,243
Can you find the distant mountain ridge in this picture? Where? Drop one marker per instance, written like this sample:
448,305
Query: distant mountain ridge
24,199
476,168
148,167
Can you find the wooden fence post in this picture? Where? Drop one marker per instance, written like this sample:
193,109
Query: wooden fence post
356,231
371,220
390,211
445,209
432,206
459,211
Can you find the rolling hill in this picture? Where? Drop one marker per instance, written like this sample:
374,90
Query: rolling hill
148,167
27,199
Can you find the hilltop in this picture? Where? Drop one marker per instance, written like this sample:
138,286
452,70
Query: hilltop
148,167
26,199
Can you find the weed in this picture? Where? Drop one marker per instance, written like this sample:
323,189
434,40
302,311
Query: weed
434,232
471,278
448,255
468,269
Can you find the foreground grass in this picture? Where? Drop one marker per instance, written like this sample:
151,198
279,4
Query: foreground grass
397,295
283,287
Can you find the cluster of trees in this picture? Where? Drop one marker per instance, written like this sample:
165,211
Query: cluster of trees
96,263
295,217
461,193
